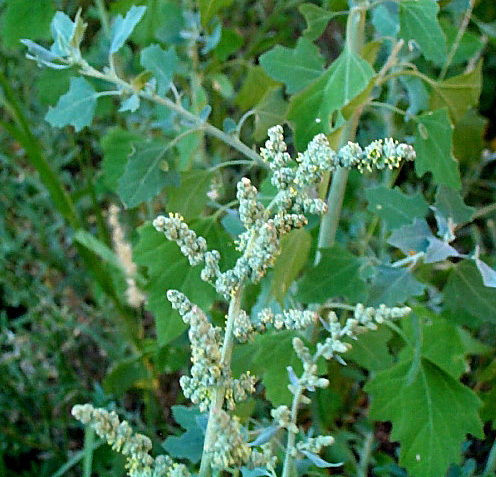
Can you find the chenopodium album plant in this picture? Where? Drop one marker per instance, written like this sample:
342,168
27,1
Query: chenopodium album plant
210,383
227,444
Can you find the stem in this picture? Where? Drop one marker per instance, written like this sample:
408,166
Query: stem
219,392
329,224
456,43
103,17
232,141
365,455
288,459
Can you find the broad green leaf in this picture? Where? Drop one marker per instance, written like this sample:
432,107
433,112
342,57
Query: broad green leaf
418,21
465,291
51,85
294,253
274,353
168,269
188,445
442,342
189,197
125,374
438,250
468,137
143,179
230,42
162,63
371,351
297,67
450,204
62,29
458,93
394,206
25,19
269,112
222,84
123,27
385,19
412,237
393,286
255,86
468,45
444,411
97,247
208,8
317,19
116,145
312,110
76,107
336,275
433,144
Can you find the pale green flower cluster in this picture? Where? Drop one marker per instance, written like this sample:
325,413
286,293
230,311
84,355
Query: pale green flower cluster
135,447
230,448
207,372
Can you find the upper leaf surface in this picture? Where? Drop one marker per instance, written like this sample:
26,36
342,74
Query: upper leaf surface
450,204
418,21
269,112
394,206
143,179
458,93
444,411
76,107
465,290
336,275
162,63
123,27
208,8
311,109
433,143
295,68
317,19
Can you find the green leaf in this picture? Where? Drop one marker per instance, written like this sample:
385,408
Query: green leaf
295,248
255,86
274,353
189,197
418,97
230,42
311,110
371,350
450,204
458,93
468,137
76,107
168,269
208,8
336,275
468,45
143,179
433,143
25,19
123,27
444,412
385,20
269,112
412,237
296,68
317,19
116,145
190,444
394,206
393,286
125,374
162,63
465,291
418,21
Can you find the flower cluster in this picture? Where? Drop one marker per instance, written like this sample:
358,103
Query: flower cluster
208,372
230,448
135,447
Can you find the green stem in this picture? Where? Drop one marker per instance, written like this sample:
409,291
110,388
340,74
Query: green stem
329,223
362,470
232,141
288,459
220,392
103,17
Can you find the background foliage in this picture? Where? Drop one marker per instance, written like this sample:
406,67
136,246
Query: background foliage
416,400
